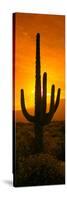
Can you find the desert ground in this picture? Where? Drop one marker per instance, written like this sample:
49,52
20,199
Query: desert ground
46,167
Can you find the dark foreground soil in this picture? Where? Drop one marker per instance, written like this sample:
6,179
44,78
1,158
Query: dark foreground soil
45,168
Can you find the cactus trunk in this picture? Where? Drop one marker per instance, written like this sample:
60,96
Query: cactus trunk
38,81
38,126
38,138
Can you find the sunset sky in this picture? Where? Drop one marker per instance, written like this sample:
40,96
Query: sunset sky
52,54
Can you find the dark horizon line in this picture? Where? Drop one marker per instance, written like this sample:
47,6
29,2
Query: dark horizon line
33,124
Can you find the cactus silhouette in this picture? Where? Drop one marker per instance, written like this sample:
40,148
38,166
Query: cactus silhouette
41,117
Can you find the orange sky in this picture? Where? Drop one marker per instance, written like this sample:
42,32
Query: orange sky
52,50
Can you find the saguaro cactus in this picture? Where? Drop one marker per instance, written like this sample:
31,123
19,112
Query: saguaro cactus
41,117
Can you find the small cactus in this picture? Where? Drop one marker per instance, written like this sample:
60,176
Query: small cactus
41,117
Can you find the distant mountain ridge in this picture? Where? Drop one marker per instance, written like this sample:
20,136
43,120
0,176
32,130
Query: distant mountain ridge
58,116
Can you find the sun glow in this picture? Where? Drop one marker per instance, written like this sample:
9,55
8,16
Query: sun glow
33,93
52,54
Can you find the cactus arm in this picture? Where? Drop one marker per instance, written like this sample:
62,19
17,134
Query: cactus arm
48,116
57,99
53,107
44,91
26,114
52,99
